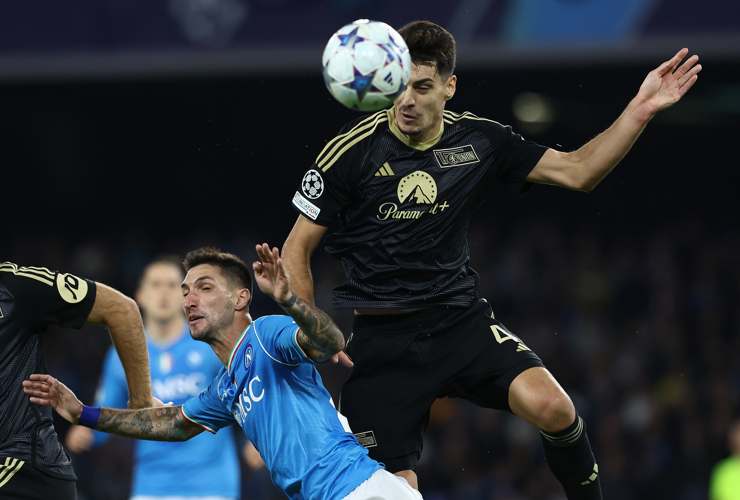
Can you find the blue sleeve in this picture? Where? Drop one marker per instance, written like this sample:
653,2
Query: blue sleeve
112,390
277,336
207,410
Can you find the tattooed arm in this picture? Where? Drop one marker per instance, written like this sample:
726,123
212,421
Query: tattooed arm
163,423
319,336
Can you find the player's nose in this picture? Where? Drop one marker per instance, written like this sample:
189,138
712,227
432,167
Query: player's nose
406,99
189,301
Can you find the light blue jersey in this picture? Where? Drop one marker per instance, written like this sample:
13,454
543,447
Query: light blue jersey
276,395
202,466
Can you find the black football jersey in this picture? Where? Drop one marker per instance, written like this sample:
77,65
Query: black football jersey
31,300
398,213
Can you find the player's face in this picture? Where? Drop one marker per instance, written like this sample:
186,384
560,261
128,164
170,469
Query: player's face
209,301
159,294
419,108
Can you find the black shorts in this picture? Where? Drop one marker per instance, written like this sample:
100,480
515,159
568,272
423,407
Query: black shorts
19,480
404,362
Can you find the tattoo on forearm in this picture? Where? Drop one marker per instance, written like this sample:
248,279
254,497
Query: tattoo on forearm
318,330
164,423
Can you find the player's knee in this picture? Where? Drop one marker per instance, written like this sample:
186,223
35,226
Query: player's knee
556,412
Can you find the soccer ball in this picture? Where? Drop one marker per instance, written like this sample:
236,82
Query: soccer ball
366,65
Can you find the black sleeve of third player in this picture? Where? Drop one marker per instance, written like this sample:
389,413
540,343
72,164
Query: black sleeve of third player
322,195
517,155
326,188
51,298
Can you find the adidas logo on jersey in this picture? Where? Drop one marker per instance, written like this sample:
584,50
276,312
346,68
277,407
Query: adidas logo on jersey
385,171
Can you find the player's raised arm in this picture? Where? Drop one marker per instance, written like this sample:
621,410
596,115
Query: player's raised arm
163,423
584,168
122,317
298,248
318,336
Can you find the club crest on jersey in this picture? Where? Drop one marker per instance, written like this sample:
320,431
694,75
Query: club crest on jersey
456,157
248,356
312,184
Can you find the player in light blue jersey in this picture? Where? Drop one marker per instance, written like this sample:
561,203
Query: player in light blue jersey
268,385
180,369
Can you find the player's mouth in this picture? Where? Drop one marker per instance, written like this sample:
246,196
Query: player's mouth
194,318
407,118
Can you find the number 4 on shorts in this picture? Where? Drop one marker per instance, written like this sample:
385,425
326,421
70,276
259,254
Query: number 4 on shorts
502,335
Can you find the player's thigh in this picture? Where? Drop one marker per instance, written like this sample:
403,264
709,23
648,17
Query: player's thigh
389,393
21,481
384,486
388,411
501,358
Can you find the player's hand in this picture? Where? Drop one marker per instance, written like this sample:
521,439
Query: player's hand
79,439
342,359
270,274
667,83
45,390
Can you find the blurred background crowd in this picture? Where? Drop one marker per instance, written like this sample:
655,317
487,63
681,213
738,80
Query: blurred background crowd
135,129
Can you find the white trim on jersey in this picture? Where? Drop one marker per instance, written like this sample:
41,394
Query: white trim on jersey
256,334
182,410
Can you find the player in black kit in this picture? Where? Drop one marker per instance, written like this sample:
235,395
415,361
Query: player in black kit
396,192
33,464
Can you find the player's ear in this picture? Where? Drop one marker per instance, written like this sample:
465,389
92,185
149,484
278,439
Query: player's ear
243,298
450,86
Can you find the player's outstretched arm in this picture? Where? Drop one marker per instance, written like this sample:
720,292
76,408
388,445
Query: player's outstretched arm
318,336
298,248
162,423
122,317
584,168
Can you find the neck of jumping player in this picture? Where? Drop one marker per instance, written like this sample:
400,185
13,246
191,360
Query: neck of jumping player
422,138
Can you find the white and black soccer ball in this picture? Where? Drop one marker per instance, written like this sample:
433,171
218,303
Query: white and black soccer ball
366,65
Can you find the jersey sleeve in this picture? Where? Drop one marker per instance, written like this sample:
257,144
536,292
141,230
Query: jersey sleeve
278,337
112,390
328,186
515,156
206,409
49,297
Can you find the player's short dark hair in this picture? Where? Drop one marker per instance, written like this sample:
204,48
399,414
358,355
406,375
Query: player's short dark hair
232,266
429,43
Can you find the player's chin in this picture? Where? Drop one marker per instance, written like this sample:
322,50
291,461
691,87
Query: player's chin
410,129
197,331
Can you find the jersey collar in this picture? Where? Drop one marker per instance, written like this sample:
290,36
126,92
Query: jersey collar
404,138
236,347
